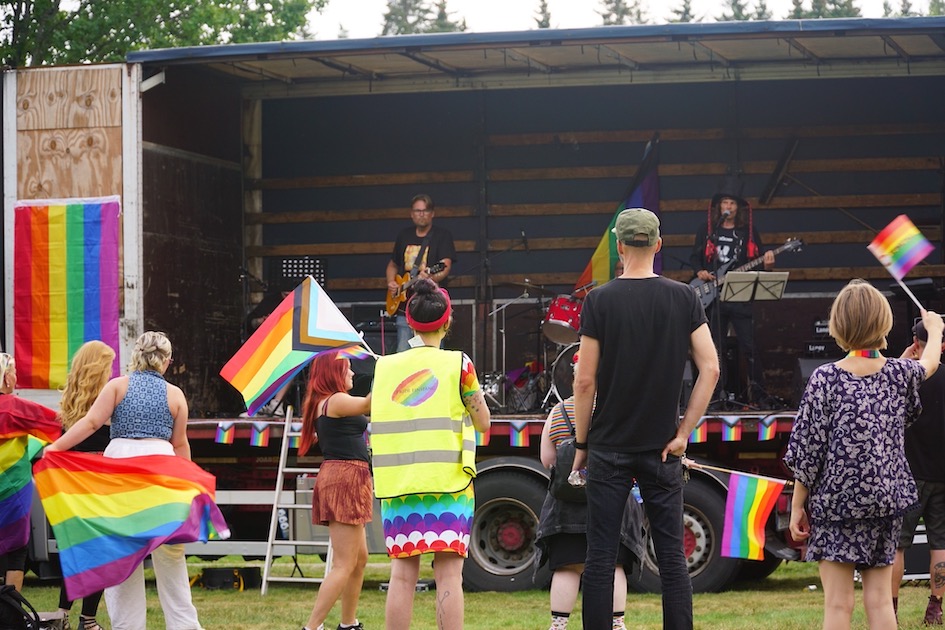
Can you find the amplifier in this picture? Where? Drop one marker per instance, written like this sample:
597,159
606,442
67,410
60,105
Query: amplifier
822,329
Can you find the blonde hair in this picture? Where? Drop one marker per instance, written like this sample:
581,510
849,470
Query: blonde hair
860,317
91,369
151,350
7,363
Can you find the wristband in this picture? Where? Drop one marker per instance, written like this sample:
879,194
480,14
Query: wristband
581,446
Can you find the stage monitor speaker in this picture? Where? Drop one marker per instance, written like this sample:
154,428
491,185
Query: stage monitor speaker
805,367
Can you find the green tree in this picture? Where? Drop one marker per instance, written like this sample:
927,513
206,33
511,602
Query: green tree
442,23
797,10
42,31
824,9
738,11
762,12
404,17
622,12
683,13
543,18
936,7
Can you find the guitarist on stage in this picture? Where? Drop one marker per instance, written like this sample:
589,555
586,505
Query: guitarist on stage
729,236
416,249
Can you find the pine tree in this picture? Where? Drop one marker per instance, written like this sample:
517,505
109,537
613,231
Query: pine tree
936,7
841,9
762,12
543,18
684,13
404,17
887,9
739,12
442,23
798,12
619,12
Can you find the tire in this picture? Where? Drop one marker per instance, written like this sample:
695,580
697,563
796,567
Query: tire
502,549
753,570
703,515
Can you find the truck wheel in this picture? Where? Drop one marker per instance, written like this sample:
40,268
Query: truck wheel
753,570
703,515
502,541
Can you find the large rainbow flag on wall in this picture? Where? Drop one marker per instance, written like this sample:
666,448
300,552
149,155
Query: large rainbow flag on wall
900,246
25,427
108,514
750,500
305,323
643,192
65,284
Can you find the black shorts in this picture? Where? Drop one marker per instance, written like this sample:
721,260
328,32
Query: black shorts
932,512
14,560
566,549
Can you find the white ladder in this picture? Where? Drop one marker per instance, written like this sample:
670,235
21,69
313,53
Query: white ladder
277,505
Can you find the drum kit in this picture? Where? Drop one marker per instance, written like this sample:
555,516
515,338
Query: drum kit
559,325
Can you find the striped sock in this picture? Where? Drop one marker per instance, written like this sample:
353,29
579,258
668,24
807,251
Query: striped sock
559,621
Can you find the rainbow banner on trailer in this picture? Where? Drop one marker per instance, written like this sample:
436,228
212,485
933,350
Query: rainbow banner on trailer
305,323
900,246
259,435
108,514
65,284
767,428
226,433
701,433
482,439
750,500
731,429
518,433
25,428
643,192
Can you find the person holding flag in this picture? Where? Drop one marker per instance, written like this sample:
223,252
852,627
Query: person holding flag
852,483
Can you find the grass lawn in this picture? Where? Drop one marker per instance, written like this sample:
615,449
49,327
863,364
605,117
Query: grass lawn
783,601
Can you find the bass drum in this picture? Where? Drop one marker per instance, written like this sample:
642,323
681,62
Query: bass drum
562,372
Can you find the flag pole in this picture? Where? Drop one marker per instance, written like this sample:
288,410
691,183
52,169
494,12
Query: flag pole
910,293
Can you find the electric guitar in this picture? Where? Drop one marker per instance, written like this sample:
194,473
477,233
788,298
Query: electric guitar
404,282
708,290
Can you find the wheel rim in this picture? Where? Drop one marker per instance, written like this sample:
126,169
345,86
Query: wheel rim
698,542
502,540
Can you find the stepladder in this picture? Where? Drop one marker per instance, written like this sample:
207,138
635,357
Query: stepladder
288,510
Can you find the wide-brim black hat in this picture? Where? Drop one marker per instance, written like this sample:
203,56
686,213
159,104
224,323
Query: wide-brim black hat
732,188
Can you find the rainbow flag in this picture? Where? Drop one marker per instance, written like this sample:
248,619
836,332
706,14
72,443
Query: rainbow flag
731,429
108,514
25,428
260,435
643,192
355,353
900,246
65,284
750,500
226,433
701,433
482,439
518,433
305,323
767,428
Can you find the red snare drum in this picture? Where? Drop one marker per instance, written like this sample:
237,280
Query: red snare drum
563,320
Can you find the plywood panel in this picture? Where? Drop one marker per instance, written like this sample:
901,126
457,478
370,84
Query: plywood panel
61,163
68,98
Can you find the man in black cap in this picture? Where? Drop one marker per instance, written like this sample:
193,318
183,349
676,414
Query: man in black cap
726,240
637,331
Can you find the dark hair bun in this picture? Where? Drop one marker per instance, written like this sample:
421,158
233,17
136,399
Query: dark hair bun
425,286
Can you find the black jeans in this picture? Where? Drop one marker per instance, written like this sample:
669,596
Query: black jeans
609,479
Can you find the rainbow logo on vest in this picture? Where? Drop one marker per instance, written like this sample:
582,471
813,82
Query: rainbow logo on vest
416,389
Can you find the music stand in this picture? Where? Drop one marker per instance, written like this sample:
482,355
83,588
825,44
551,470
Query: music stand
745,286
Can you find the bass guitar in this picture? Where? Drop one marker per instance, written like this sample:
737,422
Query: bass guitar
708,290
404,282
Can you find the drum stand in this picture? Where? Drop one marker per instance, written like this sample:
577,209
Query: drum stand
495,330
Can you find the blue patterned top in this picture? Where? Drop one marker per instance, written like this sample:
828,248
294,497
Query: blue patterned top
143,412
847,445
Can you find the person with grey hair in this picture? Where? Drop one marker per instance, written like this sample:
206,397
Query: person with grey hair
148,417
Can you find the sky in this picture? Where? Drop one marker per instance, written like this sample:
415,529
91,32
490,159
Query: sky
363,18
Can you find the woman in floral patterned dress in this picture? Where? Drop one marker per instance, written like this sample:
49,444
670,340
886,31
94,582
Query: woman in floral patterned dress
852,481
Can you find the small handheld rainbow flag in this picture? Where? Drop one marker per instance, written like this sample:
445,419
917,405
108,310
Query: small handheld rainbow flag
518,433
900,247
750,500
108,514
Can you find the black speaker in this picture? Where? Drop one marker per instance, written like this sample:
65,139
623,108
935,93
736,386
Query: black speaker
381,344
805,367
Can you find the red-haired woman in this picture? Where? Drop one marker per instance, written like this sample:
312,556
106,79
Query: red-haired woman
343,498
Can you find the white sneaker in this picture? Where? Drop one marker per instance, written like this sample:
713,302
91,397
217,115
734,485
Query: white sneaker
272,408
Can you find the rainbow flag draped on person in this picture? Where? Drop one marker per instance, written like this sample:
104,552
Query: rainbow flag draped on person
643,192
25,428
108,514
750,500
305,323
900,246
65,284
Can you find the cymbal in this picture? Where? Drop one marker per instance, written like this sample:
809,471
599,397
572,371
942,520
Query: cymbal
526,286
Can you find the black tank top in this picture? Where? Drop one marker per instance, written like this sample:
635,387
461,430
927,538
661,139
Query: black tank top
343,438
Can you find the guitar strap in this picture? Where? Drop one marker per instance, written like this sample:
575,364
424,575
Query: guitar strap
423,250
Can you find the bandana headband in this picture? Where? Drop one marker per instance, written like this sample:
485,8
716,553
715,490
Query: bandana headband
434,325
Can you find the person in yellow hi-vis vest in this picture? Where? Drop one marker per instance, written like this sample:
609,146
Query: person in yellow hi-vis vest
426,406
